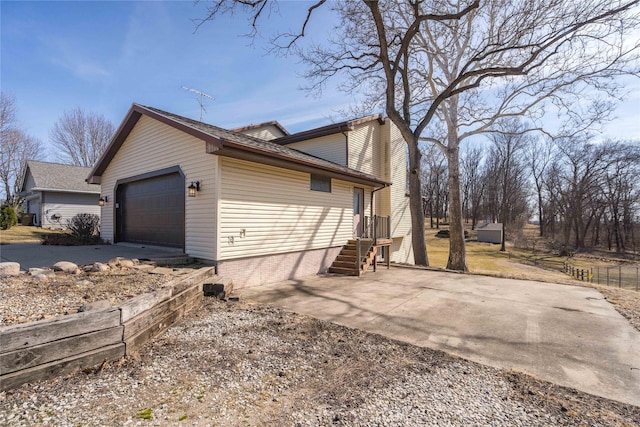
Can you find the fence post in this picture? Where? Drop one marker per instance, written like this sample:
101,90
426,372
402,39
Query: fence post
619,276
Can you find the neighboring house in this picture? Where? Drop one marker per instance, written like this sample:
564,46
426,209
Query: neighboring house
55,193
262,211
490,232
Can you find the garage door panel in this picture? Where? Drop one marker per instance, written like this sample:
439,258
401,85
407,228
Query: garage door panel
152,211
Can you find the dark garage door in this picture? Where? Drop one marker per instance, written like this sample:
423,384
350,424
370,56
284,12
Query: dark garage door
151,211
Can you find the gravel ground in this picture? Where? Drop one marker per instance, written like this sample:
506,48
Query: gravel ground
27,299
237,364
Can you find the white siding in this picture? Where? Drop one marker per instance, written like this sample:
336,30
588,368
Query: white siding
66,205
278,212
331,147
153,146
400,212
402,251
365,149
267,132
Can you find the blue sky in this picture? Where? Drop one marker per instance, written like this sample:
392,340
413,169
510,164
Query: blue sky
103,56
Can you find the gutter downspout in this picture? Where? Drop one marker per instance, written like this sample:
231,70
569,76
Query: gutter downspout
373,225
372,192
371,209
346,148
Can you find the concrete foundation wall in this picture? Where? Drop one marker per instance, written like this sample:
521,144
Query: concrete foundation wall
261,270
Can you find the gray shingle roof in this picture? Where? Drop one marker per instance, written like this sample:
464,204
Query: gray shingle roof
58,177
224,142
243,141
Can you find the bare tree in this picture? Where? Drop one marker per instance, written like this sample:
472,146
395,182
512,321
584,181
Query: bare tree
539,153
434,182
507,173
621,193
80,137
17,148
473,183
465,64
591,187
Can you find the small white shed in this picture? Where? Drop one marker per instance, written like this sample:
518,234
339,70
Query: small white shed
490,232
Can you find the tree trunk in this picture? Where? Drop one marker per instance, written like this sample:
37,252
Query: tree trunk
457,250
415,205
540,211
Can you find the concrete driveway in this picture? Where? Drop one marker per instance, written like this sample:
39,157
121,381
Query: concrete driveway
568,335
33,255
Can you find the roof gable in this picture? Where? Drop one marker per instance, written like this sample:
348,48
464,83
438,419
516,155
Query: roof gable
224,142
327,130
254,129
48,176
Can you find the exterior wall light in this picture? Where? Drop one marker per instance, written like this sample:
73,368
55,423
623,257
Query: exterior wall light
103,200
193,188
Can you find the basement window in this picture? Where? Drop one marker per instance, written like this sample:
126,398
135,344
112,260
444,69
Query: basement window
320,183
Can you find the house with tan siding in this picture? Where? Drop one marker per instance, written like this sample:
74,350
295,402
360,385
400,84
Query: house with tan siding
54,193
260,204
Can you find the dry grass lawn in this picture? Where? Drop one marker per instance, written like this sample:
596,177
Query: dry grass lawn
24,234
528,262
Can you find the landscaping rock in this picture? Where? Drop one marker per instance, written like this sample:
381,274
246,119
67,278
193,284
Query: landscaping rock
126,263
9,269
99,267
66,267
83,283
120,262
43,271
95,306
41,277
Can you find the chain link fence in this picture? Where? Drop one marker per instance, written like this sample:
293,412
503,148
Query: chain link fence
627,277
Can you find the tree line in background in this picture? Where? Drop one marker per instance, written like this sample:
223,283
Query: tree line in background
446,71
583,194
78,138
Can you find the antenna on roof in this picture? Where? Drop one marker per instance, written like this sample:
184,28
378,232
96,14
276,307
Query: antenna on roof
199,98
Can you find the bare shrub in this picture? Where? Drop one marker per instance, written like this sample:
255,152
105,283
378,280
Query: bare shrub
85,228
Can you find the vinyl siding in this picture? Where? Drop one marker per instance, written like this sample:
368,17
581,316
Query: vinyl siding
29,182
402,251
400,212
153,146
33,198
267,133
278,212
365,149
331,147
33,206
67,205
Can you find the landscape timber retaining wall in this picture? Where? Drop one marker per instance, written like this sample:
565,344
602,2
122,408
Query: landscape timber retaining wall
47,348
